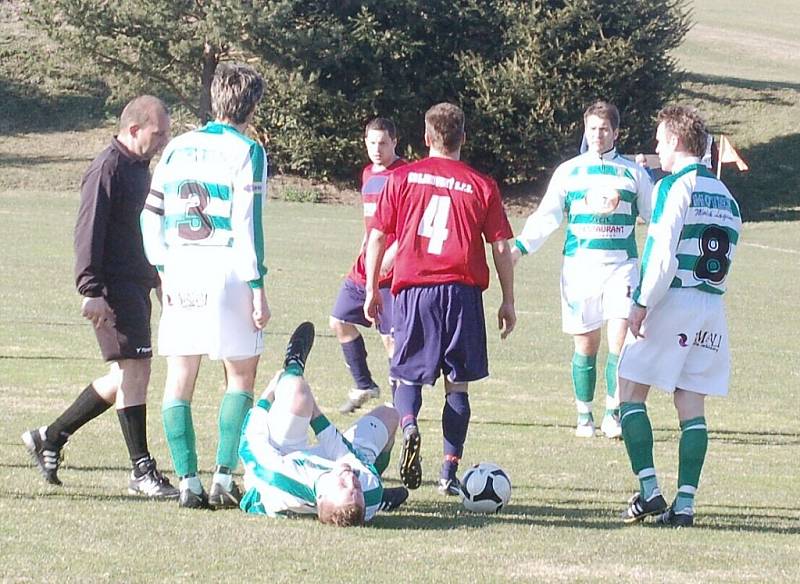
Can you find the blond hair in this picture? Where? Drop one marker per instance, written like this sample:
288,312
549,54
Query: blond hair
444,124
684,122
348,515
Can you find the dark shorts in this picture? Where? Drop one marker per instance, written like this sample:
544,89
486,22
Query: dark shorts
439,329
349,306
129,338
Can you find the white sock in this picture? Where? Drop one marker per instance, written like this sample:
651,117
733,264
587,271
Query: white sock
224,480
192,484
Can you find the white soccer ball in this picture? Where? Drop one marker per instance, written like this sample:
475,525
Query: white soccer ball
485,488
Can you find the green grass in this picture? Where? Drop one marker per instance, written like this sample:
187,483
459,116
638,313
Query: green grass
744,73
743,64
561,524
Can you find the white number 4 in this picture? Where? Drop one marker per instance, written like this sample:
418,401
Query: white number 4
434,223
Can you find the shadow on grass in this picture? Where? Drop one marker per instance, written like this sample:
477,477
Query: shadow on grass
770,191
25,108
45,358
31,161
666,434
748,84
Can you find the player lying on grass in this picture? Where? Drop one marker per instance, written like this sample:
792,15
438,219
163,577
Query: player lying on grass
339,478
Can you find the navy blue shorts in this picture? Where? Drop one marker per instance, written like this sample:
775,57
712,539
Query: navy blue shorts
349,306
130,337
439,329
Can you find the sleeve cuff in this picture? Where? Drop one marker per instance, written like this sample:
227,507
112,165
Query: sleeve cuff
319,424
520,247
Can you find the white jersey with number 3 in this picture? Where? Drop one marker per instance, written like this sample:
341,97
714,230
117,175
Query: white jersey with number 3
207,191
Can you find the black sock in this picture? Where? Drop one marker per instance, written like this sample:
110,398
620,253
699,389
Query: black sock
87,406
133,421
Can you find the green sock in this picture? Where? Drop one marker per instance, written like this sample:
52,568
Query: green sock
584,377
612,407
179,429
637,433
691,455
382,462
235,405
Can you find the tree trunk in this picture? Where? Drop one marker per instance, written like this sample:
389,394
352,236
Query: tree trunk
210,60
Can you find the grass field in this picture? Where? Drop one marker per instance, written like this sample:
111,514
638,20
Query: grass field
561,524
744,72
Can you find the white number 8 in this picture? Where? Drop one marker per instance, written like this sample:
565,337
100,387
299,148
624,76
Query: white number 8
434,223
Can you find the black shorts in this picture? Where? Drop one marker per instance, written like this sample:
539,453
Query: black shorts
129,337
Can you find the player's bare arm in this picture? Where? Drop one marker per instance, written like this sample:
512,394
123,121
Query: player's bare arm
503,263
516,254
635,320
98,311
388,259
376,247
261,312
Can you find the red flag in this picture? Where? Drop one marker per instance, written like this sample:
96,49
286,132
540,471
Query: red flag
727,153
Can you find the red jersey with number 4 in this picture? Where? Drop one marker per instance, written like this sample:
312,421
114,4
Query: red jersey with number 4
442,213
371,186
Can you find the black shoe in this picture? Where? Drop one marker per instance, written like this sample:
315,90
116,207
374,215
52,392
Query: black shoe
220,498
671,519
392,498
191,500
449,487
410,462
150,482
299,346
639,509
46,456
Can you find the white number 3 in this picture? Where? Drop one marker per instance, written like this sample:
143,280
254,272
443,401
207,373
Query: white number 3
434,223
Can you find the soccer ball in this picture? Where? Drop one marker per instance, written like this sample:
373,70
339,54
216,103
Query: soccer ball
485,488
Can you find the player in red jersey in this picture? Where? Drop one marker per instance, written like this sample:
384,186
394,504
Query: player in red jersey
380,137
441,211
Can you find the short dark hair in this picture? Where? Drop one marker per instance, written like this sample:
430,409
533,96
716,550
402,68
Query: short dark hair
445,125
141,111
603,109
382,125
685,123
235,92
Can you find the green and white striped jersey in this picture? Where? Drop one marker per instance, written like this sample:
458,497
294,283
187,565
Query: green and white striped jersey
601,196
281,483
208,190
692,236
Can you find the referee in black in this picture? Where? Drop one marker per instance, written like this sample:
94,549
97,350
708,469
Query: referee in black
115,280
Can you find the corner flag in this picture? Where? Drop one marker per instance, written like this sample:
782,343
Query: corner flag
727,153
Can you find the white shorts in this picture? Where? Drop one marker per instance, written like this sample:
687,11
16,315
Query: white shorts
369,436
685,345
207,309
593,293
287,432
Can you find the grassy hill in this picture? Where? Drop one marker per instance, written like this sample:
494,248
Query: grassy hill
743,71
742,61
